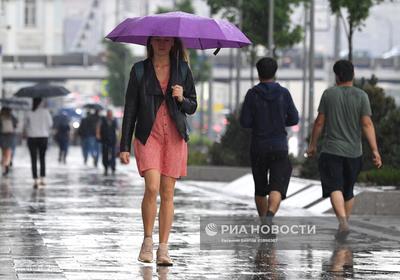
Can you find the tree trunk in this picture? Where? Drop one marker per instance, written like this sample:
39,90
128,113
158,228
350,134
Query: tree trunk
252,63
350,39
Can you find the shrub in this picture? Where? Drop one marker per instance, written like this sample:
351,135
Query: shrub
199,146
234,149
385,176
197,158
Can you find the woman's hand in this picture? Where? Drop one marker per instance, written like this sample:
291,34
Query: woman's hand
177,92
124,157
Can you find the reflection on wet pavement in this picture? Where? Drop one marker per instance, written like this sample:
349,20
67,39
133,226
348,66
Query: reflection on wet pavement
83,225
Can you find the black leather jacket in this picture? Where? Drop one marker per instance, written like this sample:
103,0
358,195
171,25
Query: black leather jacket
143,99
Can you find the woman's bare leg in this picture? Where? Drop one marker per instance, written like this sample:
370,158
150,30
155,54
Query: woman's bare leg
152,179
166,214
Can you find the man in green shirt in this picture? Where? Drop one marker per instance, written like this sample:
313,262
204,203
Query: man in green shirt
344,114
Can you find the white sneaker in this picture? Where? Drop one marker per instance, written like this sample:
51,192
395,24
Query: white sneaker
42,181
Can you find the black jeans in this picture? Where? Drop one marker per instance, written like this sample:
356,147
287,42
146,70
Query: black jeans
109,155
38,145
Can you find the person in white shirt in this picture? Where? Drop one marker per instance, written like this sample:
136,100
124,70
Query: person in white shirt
38,124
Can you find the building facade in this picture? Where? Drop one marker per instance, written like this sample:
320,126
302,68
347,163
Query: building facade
32,27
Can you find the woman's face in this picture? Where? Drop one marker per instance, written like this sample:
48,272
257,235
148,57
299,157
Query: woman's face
162,45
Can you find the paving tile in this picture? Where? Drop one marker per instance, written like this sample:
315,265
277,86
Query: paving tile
83,225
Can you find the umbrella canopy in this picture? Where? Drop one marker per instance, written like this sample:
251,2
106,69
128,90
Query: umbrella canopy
195,31
14,104
42,90
94,106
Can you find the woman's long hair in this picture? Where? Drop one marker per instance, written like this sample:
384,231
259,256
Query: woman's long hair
176,49
36,102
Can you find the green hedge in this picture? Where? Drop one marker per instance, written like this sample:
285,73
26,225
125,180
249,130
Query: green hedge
199,147
386,176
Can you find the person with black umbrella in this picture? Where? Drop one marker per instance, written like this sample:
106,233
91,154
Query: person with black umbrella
38,124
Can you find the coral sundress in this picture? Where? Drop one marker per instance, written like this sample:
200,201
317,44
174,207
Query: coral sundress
165,149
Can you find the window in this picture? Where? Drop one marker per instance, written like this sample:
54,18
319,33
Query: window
30,13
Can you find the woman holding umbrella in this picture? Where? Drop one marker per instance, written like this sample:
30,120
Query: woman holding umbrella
160,94
38,124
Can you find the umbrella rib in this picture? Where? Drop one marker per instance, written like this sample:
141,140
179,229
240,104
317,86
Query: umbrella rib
201,45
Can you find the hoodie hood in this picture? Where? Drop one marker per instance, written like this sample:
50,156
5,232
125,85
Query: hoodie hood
268,91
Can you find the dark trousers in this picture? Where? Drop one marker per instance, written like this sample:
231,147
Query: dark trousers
108,156
63,144
38,145
90,146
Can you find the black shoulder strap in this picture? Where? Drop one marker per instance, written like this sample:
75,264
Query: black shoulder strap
184,70
139,70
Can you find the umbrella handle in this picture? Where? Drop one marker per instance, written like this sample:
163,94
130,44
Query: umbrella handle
216,51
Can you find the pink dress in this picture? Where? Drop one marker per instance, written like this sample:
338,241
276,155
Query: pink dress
165,149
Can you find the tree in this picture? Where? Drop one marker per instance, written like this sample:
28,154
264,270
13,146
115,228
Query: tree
255,23
118,60
357,13
255,20
183,5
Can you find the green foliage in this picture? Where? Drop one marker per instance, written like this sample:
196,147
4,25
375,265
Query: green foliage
386,176
390,143
357,13
255,20
199,146
200,67
386,119
183,6
197,140
234,148
197,158
118,63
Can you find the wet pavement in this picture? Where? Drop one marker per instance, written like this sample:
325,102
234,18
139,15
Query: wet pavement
84,225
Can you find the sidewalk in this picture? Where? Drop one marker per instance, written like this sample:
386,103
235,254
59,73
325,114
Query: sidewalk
83,225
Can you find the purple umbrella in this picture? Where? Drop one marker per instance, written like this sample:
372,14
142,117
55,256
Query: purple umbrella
196,32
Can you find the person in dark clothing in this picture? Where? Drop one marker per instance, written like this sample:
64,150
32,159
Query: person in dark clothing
268,109
8,124
107,134
62,128
87,132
